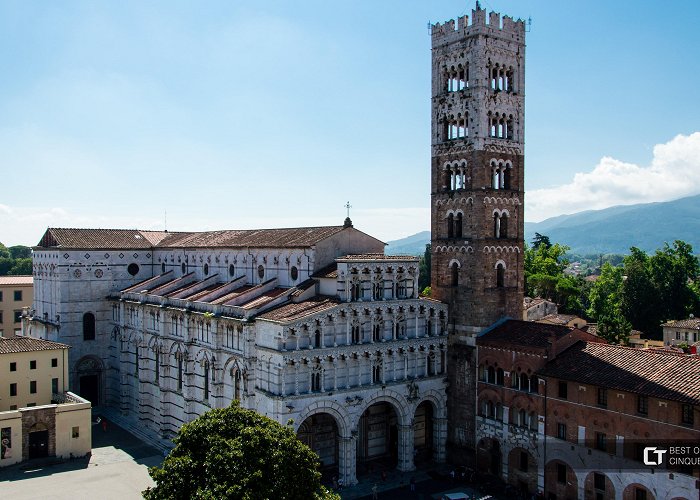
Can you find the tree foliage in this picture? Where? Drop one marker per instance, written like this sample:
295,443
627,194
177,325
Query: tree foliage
15,260
606,305
424,268
237,453
544,275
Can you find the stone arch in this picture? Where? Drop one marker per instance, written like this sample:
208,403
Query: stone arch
562,487
89,374
500,262
437,400
630,492
396,400
592,485
338,412
454,261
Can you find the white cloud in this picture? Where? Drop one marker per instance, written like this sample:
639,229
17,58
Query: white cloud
674,172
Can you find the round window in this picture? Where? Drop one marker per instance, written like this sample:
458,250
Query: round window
133,269
184,268
294,273
261,272
162,267
231,270
206,269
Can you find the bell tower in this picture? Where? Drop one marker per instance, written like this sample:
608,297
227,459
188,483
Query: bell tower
477,191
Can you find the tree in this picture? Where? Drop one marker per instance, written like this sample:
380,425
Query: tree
424,267
541,239
237,453
20,252
606,305
544,275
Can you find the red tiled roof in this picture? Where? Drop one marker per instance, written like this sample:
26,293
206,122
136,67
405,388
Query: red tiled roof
16,280
330,271
558,319
18,343
294,311
653,373
523,333
690,323
134,238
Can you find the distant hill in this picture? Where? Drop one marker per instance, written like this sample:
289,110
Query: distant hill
611,230
616,229
410,245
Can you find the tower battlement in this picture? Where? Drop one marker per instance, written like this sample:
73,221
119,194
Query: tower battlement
456,30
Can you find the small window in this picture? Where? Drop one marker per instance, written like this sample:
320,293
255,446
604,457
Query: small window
18,295
561,473
261,271
294,273
206,269
54,362
162,267
0,316
601,441
13,366
32,387
561,431
455,274
602,396
184,268
687,417
88,326
500,275
29,405
643,405
32,364
13,390
18,316
0,296
54,386
563,390
133,269
231,270
75,432
13,407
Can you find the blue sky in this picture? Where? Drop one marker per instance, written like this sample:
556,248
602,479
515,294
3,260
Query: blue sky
274,114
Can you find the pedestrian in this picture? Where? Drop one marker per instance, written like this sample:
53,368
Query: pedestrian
413,483
104,425
375,490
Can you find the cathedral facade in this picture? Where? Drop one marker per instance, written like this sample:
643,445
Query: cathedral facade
312,325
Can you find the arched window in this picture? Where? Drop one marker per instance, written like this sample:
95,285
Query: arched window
499,376
506,177
524,382
503,233
455,274
458,225
88,326
491,375
522,418
533,421
496,226
500,275
206,380
183,267
450,226
377,333
206,269
237,385
231,270
317,339
261,271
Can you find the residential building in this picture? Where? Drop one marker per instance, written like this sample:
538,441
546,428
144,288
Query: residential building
682,332
38,416
16,293
537,308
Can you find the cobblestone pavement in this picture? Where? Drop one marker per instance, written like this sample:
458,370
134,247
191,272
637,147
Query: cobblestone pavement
117,469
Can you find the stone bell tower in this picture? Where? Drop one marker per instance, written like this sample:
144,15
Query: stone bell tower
477,182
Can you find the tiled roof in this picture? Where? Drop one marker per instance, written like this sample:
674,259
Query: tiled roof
690,323
16,280
523,333
558,319
134,238
330,271
99,238
266,238
294,311
376,257
18,343
654,373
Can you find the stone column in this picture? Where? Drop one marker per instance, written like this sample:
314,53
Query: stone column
347,460
335,374
406,448
296,378
439,439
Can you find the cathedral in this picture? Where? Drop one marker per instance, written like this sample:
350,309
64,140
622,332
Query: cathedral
317,325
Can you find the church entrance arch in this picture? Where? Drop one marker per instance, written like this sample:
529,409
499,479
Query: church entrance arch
320,433
489,456
378,438
423,432
89,373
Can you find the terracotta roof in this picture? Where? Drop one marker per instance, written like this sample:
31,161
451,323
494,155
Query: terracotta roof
376,257
294,311
558,319
330,271
690,323
18,343
524,333
654,373
265,238
99,238
16,280
134,238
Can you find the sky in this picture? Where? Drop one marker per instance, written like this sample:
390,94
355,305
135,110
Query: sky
246,114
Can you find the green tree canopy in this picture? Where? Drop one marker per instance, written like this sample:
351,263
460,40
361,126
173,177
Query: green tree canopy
424,266
20,252
237,453
544,275
606,305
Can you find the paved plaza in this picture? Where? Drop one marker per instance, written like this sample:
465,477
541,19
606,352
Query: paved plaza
117,469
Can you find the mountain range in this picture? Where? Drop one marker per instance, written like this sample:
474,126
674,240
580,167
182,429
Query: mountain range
611,230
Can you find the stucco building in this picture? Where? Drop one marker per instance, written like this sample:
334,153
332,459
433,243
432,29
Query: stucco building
38,416
16,293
